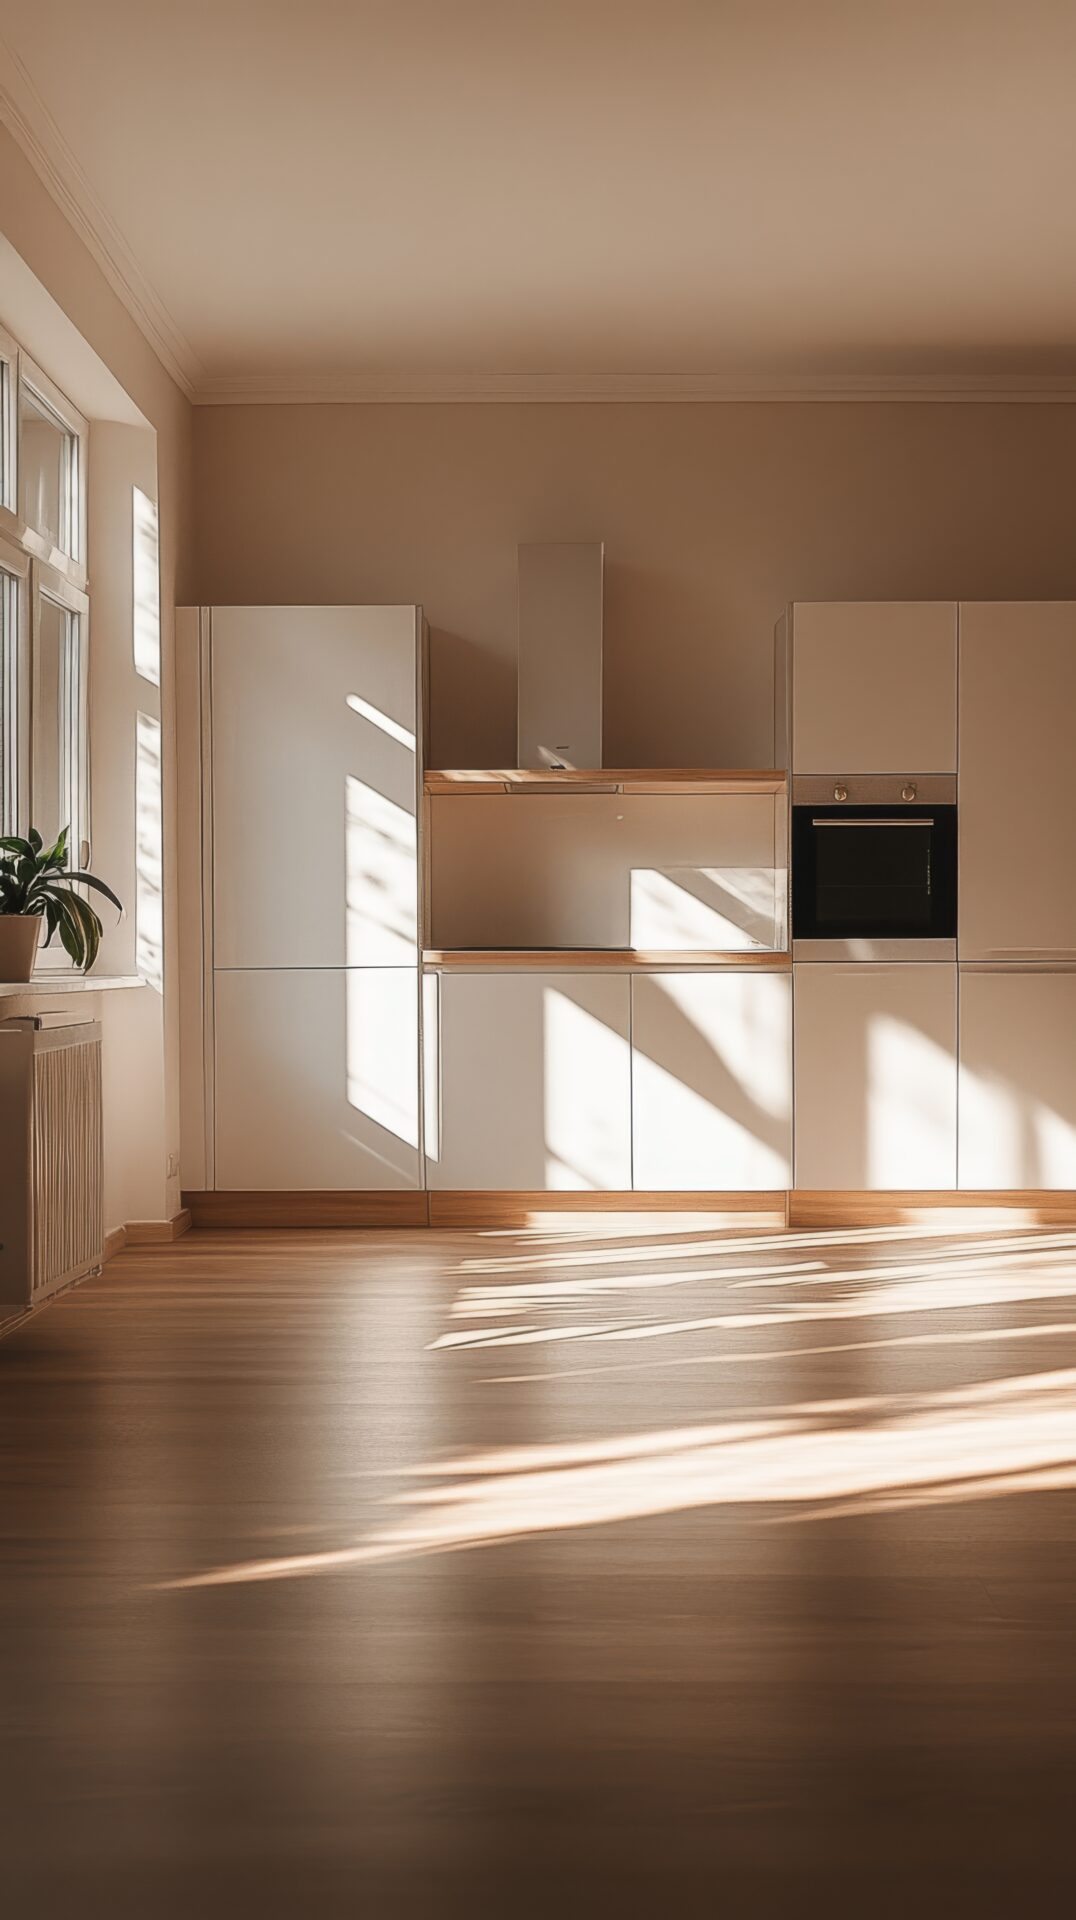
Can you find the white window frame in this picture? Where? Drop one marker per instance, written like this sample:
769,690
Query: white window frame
47,396
42,571
47,584
9,426
16,711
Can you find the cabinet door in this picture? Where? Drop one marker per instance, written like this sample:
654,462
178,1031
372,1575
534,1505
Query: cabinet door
711,1081
875,1077
1016,791
528,1082
317,1079
874,687
314,786
1017,1080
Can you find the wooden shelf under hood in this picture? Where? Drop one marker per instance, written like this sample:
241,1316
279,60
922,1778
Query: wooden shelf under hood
489,780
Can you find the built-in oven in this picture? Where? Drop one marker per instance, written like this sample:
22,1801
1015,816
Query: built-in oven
874,867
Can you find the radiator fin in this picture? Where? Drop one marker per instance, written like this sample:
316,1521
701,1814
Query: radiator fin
67,1164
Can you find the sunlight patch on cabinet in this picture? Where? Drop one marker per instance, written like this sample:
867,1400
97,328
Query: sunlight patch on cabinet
382,1048
581,1059
911,1099
382,923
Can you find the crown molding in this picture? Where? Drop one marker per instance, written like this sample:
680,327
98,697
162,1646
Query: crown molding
24,113
393,389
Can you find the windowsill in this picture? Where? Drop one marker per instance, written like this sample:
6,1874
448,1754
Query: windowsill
44,985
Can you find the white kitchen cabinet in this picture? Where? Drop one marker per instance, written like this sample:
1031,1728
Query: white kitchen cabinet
712,1081
316,1078
528,1081
314,786
1016,791
1017,1079
874,686
875,1077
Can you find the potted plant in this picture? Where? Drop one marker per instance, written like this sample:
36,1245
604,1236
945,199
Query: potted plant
38,888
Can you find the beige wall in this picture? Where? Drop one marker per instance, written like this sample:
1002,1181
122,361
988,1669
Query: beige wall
141,1028
712,516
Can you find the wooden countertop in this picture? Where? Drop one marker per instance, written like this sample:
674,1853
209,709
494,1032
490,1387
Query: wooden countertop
607,959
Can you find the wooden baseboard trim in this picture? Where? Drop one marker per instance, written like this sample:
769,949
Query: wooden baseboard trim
520,1209
114,1242
303,1209
1031,1206
157,1233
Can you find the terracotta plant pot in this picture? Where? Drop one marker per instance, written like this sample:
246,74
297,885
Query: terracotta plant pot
19,935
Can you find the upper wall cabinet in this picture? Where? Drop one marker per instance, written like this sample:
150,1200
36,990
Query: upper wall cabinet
873,686
1016,789
315,782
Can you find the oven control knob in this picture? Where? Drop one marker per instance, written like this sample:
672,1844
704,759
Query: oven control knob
908,792
840,793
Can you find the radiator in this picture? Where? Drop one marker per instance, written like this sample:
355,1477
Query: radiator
51,1157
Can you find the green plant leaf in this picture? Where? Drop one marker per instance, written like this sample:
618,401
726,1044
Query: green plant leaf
79,913
71,935
35,839
56,856
88,880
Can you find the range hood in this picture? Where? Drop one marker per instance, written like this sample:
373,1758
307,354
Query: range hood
560,656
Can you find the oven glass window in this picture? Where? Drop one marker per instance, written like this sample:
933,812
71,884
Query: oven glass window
873,874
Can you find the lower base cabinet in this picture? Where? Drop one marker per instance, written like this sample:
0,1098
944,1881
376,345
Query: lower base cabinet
528,1081
712,1081
316,1078
1017,1080
876,1077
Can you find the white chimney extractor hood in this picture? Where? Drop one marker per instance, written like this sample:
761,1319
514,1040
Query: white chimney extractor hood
560,655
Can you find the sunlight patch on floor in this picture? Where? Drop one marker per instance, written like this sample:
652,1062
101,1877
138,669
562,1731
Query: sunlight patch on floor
838,1457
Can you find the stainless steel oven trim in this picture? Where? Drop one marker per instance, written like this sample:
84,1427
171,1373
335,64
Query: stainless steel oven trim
845,824
873,789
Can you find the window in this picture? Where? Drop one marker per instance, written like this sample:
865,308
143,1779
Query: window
58,733
50,450
44,608
14,572
9,423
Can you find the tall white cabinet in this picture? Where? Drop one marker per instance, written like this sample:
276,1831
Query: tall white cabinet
1016,791
308,719
1017,940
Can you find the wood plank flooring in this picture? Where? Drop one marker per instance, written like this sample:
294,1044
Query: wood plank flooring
625,1567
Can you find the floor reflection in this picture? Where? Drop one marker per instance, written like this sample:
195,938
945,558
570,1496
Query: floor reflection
942,1412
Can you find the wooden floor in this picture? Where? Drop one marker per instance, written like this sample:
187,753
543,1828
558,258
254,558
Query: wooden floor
632,1568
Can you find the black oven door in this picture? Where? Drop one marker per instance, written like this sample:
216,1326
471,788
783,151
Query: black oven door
874,873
